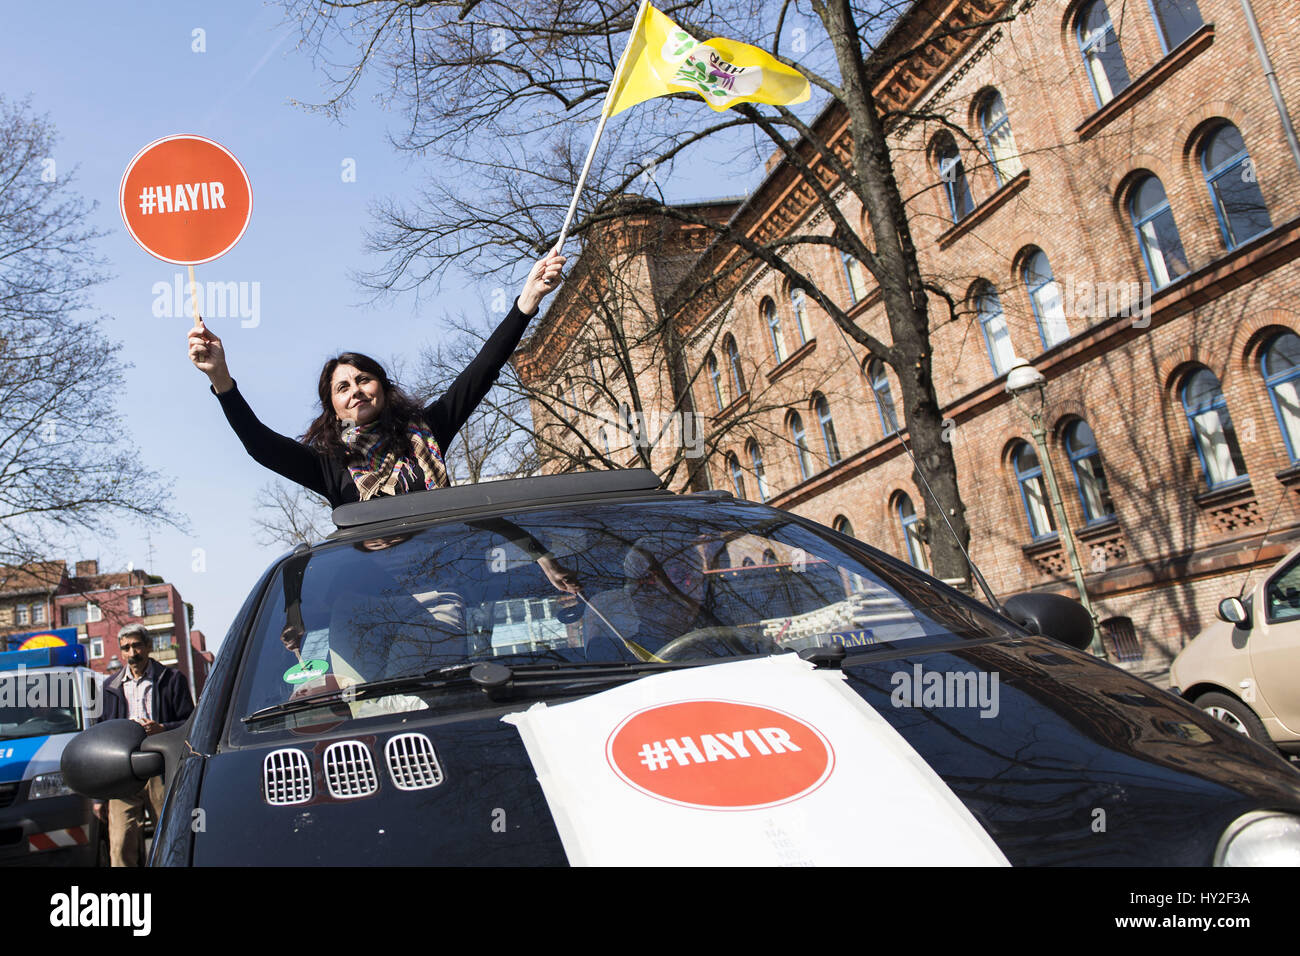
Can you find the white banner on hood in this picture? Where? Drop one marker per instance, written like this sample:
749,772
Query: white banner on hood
765,762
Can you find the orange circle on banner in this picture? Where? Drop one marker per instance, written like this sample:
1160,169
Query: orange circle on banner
185,199
719,754
42,640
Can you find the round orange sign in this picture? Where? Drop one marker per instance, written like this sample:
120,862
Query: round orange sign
719,754
37,641
185,199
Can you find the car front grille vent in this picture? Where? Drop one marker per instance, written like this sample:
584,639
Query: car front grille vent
8,791
286,775
411,762
350,770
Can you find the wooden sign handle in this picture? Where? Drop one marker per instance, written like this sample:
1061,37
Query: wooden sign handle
194,298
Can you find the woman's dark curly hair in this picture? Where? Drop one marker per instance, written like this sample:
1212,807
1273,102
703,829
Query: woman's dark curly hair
398,413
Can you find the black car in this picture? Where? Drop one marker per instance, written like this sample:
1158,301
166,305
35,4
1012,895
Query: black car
355,712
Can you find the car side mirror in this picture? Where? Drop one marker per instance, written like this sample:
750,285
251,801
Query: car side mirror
1234,611
105,761
1052,615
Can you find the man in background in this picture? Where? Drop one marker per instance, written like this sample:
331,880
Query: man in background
158,699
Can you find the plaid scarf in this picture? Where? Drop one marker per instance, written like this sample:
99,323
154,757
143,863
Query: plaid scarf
377,469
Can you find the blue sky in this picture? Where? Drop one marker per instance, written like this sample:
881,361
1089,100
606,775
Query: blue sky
114,78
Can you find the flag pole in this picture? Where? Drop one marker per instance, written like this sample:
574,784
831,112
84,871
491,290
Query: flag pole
600,128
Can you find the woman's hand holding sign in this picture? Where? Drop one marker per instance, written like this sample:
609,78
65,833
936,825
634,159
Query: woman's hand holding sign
544,279
209,357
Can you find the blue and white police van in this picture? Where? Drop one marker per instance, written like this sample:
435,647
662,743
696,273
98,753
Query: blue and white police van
47,695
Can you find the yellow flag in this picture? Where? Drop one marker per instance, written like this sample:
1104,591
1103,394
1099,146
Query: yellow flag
662,58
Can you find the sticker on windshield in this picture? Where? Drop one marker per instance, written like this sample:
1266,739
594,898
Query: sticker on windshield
720,754
305,671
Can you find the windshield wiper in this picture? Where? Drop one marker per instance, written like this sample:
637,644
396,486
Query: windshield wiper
438,677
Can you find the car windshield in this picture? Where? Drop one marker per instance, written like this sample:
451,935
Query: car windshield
678,580
37,704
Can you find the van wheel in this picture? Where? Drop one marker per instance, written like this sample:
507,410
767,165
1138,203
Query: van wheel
1230,711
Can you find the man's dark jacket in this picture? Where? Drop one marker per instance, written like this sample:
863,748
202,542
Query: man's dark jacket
170,704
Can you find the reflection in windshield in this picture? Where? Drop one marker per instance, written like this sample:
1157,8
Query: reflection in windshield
674,581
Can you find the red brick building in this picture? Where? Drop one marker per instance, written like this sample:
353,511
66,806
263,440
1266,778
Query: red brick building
98,605
1122,211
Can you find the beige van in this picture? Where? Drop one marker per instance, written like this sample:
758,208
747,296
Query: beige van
1244,669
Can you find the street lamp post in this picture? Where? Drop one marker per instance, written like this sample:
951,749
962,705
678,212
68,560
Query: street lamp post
1023,379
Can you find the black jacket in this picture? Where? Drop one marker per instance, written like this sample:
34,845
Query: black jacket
329,476
170,703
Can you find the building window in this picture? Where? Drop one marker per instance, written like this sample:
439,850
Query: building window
800,446
799,304
737,477
733,359
604,440
1212,431
1033,491
843,526
953,174
756,459
913,538
768,311
715,379
999,142
74,615
162,642
823,409
1281,365
1234,187
1177,20
1121,640
152,605
856,276
94,613
1045,297
96,647
1102,57
1162,249
884,398
20,614
994,325
135,604
1085,460
38,613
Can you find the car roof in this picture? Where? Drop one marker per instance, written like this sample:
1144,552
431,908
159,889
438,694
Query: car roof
367,518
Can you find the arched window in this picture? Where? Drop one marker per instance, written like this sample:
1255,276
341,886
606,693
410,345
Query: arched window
1281,365
856,276
756,459
1102,57
1234,187
823,409
994,325
800,445
884,398
799,304
843,526
1162,249
1033,491
1045,297
999,142
1085,460
737,476
1212,431
733,359
913,539
953,174
768,311
604,440
715,379
769,556
1177,20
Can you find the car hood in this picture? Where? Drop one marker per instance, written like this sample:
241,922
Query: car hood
1065,760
